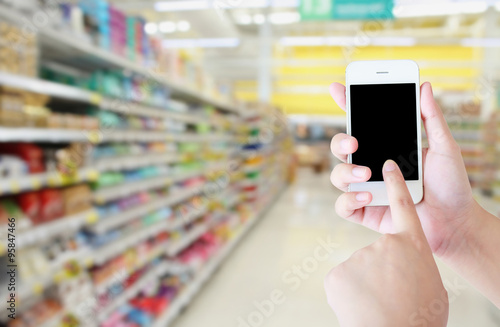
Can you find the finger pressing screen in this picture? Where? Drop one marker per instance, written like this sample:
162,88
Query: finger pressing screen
403,212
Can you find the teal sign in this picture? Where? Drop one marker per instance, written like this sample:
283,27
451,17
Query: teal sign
346,9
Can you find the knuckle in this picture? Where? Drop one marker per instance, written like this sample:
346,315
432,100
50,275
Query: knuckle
338,174
455,147
388,241
395,178
405,202
333,277
334,144
419,243
340,206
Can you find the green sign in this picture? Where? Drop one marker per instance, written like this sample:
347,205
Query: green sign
346,9
316,9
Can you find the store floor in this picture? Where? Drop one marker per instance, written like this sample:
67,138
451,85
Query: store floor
294,233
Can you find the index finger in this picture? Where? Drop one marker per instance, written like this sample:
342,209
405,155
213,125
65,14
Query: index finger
403,212
337,91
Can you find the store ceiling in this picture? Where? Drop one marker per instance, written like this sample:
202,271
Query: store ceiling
436,38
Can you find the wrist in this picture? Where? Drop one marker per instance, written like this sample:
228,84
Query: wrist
467,241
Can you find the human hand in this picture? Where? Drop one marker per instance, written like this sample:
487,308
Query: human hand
447,207
394,280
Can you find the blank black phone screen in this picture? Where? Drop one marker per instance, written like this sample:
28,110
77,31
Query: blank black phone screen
384,121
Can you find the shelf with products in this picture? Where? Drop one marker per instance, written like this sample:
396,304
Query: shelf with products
201,277
489,190
46,231
80,53
29,182
13,134
57,40
147,232
40,115
133,161
99,255
51,274
55,321
131,292
177,246
120,275
463,117
122,218
188,117
121,190
33,182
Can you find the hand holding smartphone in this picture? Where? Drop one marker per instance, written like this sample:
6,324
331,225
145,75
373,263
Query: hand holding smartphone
383,114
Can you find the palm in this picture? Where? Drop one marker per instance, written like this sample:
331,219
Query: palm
447,198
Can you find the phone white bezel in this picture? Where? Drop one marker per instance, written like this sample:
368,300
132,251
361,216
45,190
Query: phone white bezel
385,72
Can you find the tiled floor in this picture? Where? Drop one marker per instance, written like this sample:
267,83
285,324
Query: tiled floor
287,239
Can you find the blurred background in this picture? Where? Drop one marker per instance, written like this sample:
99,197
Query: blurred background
166,163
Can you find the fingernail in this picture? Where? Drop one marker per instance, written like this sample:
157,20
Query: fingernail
362,197
344,144
358,172
390,165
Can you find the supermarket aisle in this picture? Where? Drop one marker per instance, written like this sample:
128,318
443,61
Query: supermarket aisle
289,236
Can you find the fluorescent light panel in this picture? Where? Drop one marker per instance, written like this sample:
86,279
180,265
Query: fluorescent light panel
266,3
151,28
440,9
201,43
183,26
244,19
167,27
182,5
206,4
283,18
259,19
393,41
481,43
347,41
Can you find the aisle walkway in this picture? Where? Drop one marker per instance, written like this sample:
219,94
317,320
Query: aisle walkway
295,235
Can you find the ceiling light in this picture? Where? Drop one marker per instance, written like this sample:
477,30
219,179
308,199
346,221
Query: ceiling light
303,41
481,43
282,18
201,43
151,28
393,41
259,19
167,27
440,9
253,4
346,41
206,4
268,3
183,26
244,19
182,5
285,3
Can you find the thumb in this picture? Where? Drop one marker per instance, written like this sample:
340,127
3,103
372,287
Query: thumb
403,212
438,132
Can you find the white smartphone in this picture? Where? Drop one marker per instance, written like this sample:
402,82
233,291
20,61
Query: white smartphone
383,114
